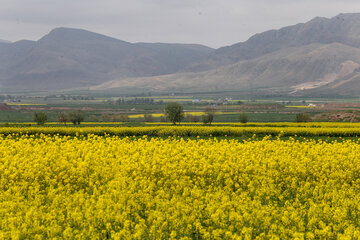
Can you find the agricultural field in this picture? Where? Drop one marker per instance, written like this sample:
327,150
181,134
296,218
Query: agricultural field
261,181
236,130
120,175
115,108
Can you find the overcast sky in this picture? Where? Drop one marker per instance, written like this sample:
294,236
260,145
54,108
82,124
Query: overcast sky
214,23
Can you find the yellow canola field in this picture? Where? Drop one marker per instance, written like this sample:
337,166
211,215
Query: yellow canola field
271,124
186,114
187,131
61,187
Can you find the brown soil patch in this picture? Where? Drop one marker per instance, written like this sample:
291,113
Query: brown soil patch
4,106
340,116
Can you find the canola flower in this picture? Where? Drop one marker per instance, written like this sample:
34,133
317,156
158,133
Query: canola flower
107,187
186,114
272,124
188,131
57,123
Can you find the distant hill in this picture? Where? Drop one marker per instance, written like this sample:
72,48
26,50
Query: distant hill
344,28
320,57
317,58
67,58
291,70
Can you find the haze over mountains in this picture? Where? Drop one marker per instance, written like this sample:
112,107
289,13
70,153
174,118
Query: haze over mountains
321,56
67,58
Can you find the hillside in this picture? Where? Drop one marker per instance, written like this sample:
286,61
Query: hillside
344,28
291,70
67,58
319,57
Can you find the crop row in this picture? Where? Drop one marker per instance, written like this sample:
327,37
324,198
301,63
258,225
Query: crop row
249,124
184,131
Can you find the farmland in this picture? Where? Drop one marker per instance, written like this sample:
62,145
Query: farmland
20,108
269,178
98,187
235,130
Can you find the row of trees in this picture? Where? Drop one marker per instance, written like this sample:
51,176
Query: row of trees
174,112
76,117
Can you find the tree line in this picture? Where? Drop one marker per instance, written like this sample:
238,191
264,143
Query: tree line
75,117
174,112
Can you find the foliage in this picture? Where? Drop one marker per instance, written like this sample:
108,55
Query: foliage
148,118
243,118
125,188
76,117
93,118
40,118
174,112
207,119
121,118
105,117
193,118
303,117
162,119
209,115
62,117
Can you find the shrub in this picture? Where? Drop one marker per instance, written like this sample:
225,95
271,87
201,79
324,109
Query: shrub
302,117
121,118
148,118
40,118
243,118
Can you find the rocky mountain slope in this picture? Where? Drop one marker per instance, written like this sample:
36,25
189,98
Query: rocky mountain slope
292,70
319,57
67,58
344,28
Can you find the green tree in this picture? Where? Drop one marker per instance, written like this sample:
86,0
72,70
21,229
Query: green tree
208,118
174,112
302,117
40,118
76,117
243,118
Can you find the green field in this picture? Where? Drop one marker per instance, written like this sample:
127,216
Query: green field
108,108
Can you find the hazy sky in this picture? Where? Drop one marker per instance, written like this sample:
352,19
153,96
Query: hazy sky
211,22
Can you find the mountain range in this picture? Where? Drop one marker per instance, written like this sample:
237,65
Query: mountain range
319,57
68,58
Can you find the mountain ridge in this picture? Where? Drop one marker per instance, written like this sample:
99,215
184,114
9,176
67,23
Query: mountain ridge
292,64
321,56
66,58
340,29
